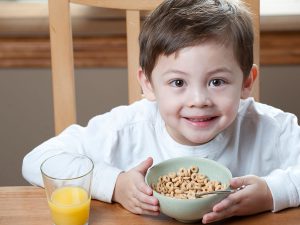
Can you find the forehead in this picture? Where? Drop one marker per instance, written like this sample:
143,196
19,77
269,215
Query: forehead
203,55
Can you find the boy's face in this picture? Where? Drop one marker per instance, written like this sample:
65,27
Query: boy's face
198,91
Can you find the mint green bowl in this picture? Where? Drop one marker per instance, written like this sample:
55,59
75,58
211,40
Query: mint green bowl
188,210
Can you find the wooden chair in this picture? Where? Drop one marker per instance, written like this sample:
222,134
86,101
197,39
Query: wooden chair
62,51
255,9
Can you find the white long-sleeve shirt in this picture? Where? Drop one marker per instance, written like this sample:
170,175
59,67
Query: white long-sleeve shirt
262,141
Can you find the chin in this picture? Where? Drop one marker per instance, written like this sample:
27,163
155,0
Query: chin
197,141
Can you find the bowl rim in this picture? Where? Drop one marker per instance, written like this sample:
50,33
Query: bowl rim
188,158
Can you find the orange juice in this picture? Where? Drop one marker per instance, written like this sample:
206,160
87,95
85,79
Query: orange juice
70,206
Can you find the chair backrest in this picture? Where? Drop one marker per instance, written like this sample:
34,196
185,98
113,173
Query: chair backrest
62,51
255,9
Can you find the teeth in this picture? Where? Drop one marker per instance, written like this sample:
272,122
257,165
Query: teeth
199,120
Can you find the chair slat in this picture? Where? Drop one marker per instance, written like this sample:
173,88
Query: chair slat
64,101
121,4
133,30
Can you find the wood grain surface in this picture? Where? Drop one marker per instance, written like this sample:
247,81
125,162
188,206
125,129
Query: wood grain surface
27,205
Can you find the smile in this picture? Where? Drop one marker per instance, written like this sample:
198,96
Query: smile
201,121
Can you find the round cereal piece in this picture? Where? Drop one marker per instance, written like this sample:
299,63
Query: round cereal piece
182,196
186,178
199,192
177,196
194,169
194,176
210,184
197,186
201,176
158,189
166,179
177,184
188,172
183,186
172,175
182,172
205,180
160,179
170,186
218,187
175,179
210,189
191,185
200,180
204,189
191,195
178,191
164,190
216,183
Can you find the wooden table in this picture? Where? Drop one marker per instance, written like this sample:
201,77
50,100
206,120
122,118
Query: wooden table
28,206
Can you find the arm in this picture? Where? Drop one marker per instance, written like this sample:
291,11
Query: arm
94,141
278,190
284,182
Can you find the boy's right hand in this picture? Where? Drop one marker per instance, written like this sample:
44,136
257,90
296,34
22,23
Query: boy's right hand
133,193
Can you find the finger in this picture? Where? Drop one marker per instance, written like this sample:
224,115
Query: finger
226,203
151,213
148,207
143,187
140,196
240,181
216,216
141,211
144,166
139,207
237,182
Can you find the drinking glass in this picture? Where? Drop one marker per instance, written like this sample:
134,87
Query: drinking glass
67,180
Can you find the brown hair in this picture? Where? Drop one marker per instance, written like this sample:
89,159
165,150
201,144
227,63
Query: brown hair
177,24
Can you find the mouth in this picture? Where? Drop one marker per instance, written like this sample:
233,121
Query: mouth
200,121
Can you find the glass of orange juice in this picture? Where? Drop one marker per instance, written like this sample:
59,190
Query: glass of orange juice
67,179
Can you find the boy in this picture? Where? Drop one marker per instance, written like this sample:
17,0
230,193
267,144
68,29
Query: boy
196,74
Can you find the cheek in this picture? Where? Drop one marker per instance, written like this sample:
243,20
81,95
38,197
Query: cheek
168,105
231,108
229,105
164,97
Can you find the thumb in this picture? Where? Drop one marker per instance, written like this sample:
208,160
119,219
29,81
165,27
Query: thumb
240,181
144,166
237,182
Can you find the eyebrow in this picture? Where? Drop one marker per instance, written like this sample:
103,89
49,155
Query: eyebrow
220,70
214,71
174,71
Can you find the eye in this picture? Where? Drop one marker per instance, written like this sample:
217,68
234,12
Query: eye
177,83
216,82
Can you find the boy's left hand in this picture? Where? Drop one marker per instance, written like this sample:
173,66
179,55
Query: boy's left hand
254,198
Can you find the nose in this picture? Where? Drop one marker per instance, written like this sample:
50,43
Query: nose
199,97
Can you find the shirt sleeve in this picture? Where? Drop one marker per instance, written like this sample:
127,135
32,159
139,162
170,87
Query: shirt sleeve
96,141
284,182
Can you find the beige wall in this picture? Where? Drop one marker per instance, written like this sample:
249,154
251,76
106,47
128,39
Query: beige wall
280,87
26,110
26,105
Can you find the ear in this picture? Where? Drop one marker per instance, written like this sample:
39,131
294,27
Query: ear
148,91
248,82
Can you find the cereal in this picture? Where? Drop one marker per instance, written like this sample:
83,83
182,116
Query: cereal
186,183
